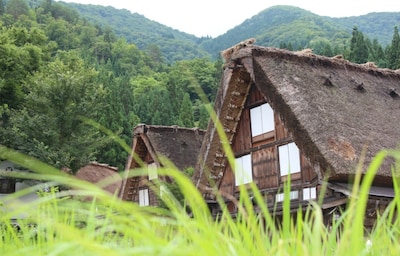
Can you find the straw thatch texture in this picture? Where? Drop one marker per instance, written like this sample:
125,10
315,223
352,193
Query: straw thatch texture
95,172
178,144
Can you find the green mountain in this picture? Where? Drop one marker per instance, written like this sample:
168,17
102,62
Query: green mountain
136,28
375,25
282,24
274,26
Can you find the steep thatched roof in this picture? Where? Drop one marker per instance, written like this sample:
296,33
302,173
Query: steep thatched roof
179,145
335,110
96,173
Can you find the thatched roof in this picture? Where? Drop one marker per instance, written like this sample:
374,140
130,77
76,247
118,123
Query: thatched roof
96,172
335,110
178,144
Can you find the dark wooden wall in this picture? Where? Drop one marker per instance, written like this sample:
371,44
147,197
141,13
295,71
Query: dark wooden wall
264,152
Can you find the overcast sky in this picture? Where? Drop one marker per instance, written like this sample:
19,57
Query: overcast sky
215,17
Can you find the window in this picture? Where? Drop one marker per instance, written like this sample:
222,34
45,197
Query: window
292,195
7,186
152,171
163,190
289,159
262,119
144,197
243,170
309,193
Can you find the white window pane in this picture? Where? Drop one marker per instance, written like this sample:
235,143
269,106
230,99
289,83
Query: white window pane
238,166
292,195
313,193
267,115
262,119
152,171
306,193
283,160
279,197
309,193
294,156
163,190
289,159
256,122
243,170
143,197
247,168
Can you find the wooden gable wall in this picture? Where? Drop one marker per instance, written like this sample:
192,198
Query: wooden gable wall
265,162
137,183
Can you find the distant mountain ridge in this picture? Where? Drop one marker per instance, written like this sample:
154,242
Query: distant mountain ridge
271,27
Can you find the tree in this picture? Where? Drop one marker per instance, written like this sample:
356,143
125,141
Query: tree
204,117
17,8
117,116
186,112
393,51
49,126
376,54
358,47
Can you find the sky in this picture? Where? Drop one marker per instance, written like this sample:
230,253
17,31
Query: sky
216,17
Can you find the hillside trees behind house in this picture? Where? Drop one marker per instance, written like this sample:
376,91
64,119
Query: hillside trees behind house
57,68
144,33
363,50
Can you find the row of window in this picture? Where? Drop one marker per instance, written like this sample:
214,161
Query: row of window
308,194
262,122
289,163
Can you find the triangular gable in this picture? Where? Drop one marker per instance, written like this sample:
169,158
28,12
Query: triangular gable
179,145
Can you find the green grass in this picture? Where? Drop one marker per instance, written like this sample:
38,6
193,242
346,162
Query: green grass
59,224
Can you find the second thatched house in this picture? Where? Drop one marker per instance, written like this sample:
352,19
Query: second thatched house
313,117
150,145
102,175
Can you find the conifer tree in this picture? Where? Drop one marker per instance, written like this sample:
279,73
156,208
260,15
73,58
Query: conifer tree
186,112
358,47
393,52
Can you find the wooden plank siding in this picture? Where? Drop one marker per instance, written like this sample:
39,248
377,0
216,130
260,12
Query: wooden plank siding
264,154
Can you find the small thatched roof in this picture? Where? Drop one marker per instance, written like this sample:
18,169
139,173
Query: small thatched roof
96,172
179,145
334,109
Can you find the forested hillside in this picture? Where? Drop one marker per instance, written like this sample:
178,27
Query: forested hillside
145,33
374,25
58,69
70,84
274,26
